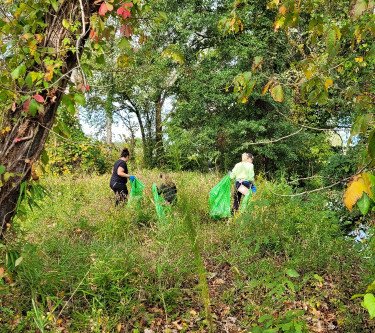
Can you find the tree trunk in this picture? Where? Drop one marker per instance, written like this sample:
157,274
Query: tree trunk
109,112
108,130
159,148
143,135
22,146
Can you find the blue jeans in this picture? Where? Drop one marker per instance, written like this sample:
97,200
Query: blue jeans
238,195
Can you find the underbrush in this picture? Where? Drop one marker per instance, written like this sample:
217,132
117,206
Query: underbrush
85,265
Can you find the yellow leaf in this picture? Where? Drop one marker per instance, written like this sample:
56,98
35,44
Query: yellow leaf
5,130
49,73
279,23
358,34
282,10
355,189
309,74
273,4
328,83
32,47
39,38
266,87
359,59
277,93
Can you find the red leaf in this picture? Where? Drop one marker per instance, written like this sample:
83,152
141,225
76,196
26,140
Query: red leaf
103,9
26,106
126,30
125,13
93,35
39,98
87,87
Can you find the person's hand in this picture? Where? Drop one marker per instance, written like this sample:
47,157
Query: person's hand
132,178
253,188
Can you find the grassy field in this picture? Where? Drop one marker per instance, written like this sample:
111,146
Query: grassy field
88,266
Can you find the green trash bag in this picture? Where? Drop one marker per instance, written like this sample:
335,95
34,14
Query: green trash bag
245,201
219,200
136,189
160,204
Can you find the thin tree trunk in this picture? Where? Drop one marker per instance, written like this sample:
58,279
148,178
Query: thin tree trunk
109,112
22,146
159,148
108,129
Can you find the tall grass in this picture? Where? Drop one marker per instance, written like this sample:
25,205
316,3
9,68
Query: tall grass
89,266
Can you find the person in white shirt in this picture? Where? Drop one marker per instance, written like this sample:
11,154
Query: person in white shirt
243,173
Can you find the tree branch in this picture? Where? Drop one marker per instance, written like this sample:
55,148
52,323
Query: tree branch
324,187
276,140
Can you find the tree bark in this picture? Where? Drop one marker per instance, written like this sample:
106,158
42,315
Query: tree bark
108,129
109,114
159,148
22,146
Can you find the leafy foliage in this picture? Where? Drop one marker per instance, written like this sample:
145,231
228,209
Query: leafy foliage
70,151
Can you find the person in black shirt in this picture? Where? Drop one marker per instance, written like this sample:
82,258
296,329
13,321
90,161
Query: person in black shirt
167,189
120,177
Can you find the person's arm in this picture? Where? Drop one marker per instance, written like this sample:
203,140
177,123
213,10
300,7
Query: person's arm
233,173
121,172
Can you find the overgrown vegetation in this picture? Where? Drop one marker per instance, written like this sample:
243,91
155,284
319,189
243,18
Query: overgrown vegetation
195,84
284,266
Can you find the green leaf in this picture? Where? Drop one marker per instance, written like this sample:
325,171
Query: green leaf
292,273
2,169
360,125
65,24
34,107
19,71
298,327
8,175
68,102
18,261
364,203
369,304
371,144
124,44
264,318
100,60
80,99
44,157
258,60
277,93
318,278
29,80
55,5
287,326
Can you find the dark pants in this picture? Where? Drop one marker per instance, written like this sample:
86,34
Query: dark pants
121,192
238,195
